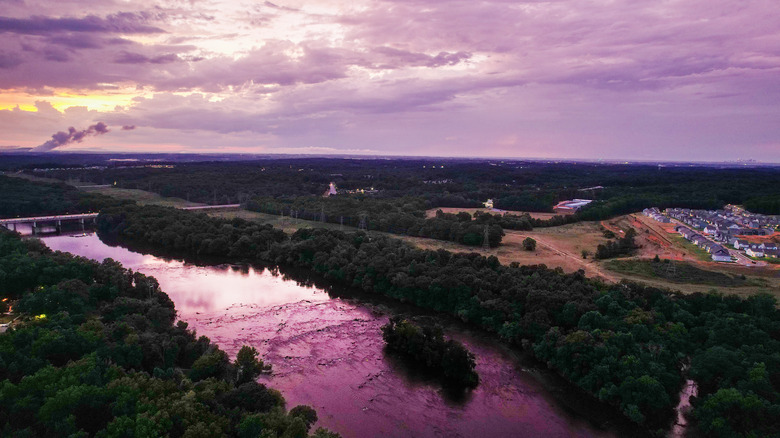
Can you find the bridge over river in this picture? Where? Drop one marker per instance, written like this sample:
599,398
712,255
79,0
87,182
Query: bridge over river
57,220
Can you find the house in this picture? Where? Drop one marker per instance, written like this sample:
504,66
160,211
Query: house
686,232
331,190
488,203
773,253
755,252
699,240
771,245
710,229
741,244
721,255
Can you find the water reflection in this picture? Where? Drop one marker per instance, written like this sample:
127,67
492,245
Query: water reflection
328,353
196,289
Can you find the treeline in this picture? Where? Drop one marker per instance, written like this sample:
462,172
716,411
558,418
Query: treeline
194,234
764,205
619,247
513,185
524,222
624,344
96,353
404,216
425,347
23,198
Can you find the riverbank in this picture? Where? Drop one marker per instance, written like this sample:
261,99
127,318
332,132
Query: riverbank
325,345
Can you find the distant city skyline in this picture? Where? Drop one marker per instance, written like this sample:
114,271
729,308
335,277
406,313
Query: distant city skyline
614,80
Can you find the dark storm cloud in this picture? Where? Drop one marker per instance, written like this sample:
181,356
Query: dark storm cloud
73,135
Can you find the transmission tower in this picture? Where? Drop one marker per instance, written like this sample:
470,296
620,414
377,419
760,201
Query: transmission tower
486,239
362,224
671,270
322,214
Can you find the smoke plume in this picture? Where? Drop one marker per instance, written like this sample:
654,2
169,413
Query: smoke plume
128,127
73,135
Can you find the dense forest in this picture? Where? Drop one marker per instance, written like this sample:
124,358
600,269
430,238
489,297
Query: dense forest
96,353
22,198
512,184
627,345
404,216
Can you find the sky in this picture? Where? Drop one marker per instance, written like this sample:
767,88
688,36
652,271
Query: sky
608,79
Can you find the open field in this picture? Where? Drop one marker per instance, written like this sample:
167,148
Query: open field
36,178
286,223
556,246
681,272
471,211
141,196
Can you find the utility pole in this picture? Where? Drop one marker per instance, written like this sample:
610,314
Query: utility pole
341,223
486,239
322,214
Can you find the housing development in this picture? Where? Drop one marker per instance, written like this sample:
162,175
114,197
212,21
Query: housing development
715,230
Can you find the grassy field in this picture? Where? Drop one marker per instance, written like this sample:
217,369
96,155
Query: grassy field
681,272
699,253
286,223
141,196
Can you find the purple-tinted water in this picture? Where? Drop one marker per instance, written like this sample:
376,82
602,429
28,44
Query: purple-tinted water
328,353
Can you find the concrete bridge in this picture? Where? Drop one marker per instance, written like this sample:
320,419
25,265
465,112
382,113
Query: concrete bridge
59,219
51,220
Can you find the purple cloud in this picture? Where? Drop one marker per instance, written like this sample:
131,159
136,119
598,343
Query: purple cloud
122,22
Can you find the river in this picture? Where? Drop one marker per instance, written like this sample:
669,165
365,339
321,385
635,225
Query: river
327,352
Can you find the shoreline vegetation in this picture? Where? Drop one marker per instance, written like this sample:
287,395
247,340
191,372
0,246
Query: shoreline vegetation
623,343
425,347
97,352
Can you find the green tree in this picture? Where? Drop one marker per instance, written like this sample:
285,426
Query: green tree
248,366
